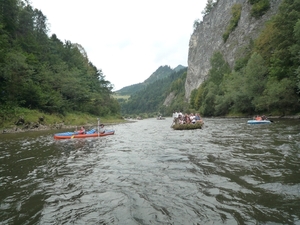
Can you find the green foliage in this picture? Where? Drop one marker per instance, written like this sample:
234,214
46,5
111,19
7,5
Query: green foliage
161,73
280,44
235,17
129,90
151,99
259,7
210,93
193,99
196,24
219,67
235,84
10,115
206,98
210,4
177,85
255,79
243,56
42,73
285,43
280,95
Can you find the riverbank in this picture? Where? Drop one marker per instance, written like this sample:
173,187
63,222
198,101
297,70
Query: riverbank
31,120
92,123
59,126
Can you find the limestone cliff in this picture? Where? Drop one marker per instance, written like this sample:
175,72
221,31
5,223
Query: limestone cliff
207,38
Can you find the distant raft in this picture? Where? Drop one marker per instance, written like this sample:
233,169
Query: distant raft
258,121
188,126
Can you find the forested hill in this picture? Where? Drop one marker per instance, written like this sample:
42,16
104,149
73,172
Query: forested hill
43,73
161,73
151,99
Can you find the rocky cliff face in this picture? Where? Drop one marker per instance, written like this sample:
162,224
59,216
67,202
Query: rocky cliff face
207,38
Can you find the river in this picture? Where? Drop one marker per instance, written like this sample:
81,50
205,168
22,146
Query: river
226,173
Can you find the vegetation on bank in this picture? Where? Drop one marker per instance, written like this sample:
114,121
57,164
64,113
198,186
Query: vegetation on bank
43,74
22,118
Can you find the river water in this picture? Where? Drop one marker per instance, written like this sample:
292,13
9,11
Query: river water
227,173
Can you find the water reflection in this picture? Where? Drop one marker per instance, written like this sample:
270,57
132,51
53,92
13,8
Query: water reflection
227,173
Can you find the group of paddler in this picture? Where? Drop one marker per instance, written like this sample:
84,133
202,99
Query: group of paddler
192,118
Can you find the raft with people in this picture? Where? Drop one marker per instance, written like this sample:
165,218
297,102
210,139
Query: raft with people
186,121
190,126
259,120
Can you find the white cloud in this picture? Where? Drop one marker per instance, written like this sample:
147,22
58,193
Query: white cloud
127,40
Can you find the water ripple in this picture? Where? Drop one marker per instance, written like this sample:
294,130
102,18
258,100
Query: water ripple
147,173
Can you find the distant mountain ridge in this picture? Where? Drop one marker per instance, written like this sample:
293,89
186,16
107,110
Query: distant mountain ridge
161,73
151,100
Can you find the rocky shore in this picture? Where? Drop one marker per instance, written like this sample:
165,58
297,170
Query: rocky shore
36,127
24,126
40,126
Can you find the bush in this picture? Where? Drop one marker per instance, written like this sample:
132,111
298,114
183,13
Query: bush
259,8
236,14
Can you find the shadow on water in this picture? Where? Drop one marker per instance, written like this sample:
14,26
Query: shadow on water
227,173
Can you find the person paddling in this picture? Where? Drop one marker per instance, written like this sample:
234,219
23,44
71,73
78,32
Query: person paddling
101,129
81,131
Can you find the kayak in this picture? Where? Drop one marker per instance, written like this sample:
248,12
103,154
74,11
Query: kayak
258,121
91,133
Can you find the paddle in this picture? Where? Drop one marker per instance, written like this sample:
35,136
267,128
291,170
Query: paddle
173,122
73,134
272,121
98,125
171,125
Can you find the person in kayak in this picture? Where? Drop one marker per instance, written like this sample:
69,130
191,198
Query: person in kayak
81,131
258,118
101,129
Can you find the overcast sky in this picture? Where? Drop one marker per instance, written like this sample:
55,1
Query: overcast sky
127,39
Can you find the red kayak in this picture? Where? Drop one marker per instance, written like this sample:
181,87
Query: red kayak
70,135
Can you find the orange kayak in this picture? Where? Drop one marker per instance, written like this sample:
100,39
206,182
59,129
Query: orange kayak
70,135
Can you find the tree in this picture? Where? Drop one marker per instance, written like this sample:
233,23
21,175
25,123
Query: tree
280,96
9,16
219,67
43,73
196,24
255,78
209,6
